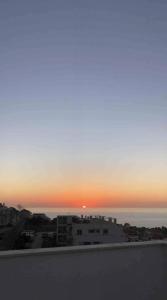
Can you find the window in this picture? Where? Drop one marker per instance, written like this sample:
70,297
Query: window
62,229
87,243
105,231
79,232
97,230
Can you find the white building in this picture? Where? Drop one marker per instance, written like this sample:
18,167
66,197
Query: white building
72,230
97,230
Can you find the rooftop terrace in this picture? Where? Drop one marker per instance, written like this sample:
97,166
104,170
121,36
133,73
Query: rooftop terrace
133,271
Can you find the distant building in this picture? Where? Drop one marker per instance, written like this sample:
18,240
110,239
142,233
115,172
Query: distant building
64,230
11,216
8,215
25,213
40,215
4,233
97,230
133,238
72,230
28,233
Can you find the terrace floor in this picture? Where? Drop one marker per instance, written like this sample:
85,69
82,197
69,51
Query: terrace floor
132,271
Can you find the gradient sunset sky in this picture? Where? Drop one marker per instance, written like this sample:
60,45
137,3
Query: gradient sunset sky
83,103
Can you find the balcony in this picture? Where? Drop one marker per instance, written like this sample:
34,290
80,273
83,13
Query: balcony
132,271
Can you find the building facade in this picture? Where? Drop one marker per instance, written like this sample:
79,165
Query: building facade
72,230
11,216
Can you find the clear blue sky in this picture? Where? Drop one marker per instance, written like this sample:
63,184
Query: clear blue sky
83,100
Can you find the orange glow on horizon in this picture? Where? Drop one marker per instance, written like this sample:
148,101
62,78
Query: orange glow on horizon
68,198
93,192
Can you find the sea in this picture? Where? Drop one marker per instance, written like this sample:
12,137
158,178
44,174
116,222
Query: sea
148,217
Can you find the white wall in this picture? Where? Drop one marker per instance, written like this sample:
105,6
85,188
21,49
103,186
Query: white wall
115,233
104,272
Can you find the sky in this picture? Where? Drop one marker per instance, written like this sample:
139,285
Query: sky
83,103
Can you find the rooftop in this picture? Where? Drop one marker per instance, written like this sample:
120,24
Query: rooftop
114,271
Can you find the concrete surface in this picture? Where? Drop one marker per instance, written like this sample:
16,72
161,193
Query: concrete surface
132,271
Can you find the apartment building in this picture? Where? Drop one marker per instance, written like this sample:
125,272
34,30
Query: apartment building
73,230
10,215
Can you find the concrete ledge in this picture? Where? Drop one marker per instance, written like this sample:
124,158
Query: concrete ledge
77,249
